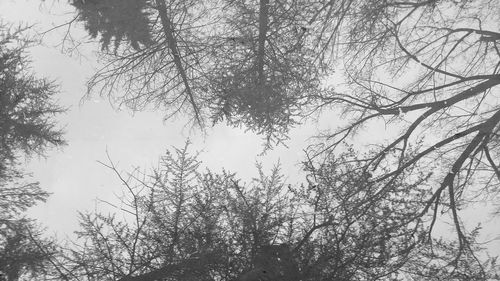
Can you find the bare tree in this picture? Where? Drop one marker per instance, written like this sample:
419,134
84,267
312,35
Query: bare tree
429,69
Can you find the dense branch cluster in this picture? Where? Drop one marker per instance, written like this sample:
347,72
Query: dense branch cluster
428,70
417,66
249,64
180,224
27,128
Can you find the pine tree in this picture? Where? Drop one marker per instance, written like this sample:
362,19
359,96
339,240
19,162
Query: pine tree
115,21
27,107
27,127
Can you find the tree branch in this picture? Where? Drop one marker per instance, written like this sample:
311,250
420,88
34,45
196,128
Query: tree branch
172,44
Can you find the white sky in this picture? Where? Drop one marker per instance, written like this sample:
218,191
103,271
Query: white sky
72,173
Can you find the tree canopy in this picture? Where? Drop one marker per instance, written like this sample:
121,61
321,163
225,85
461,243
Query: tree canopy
27,106
250,65
177,223
27,127
418,67
428,70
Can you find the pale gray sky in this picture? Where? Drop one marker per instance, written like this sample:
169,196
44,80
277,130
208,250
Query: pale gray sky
73,174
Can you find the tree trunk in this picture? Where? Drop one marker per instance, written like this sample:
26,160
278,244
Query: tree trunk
172,45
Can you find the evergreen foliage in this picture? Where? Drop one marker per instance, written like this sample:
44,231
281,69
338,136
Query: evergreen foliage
177,223
27,106
115,21
431,69
27,127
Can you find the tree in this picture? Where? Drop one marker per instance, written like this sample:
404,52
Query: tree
406,64
392,237
180,224
265,76
176,223
419,67
27,104
106,18
27,127
248,65
24,252
166,64
423,66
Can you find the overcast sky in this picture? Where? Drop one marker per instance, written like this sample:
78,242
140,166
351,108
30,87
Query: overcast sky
73,174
